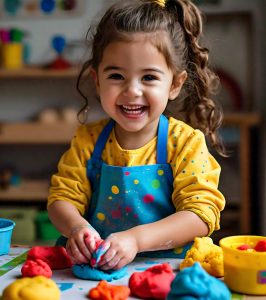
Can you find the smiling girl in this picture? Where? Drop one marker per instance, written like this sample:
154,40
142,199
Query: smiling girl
138,180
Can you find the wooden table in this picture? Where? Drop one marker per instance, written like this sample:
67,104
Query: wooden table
74,288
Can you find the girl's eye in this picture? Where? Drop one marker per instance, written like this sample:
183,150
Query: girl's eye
149,78
115,76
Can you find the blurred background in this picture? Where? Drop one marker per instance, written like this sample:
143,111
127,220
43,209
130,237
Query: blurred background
42,46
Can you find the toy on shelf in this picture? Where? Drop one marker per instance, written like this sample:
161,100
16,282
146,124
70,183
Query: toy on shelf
60,63
8,176
12,48
52,115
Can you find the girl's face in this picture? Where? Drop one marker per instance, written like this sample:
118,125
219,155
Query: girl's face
134,84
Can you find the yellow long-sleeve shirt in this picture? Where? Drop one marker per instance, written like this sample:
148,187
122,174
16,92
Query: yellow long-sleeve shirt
195,171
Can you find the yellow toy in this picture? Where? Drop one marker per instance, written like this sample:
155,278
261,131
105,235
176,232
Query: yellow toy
35,288
209,255
244,270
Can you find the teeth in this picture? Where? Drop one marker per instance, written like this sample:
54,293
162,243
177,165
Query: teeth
131,107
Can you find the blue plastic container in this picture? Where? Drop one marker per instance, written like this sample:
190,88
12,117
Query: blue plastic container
6,228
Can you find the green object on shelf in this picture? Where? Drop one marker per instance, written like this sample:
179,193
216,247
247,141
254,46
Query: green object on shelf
45,229
25,230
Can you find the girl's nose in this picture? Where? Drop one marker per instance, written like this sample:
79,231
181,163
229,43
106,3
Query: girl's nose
132,89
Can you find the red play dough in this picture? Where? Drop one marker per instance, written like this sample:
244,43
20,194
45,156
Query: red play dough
261,246
243,247
153,283
36,267
55,256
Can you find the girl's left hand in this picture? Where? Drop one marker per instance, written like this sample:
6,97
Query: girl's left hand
122,251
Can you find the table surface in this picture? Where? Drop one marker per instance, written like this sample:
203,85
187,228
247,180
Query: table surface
74,288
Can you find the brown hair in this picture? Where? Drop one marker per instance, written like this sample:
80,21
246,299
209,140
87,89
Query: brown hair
175,29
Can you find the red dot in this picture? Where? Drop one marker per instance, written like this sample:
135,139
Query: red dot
128,209
127,173
148,198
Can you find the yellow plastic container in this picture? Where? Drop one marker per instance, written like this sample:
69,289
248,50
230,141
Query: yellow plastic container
12,55
244,270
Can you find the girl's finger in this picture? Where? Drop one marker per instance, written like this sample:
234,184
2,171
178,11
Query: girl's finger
77,254
121,264
112,263
83,249
107,257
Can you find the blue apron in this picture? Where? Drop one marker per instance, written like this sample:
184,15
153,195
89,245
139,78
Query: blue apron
124,197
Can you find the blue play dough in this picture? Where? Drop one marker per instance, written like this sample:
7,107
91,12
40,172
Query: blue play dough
87,272
195,283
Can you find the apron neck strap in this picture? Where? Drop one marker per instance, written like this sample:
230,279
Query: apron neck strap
102,139
161,156
161,150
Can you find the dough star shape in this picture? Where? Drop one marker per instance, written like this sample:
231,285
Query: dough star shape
87,272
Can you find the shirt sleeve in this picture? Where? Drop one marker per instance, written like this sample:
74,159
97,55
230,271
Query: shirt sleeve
196,178
70,183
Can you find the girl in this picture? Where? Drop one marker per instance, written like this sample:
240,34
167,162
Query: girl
138,180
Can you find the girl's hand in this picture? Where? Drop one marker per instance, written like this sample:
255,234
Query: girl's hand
123,249
82,243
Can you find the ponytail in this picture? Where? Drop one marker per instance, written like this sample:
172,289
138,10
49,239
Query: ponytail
199,109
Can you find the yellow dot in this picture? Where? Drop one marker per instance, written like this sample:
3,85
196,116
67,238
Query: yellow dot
101,216
110,197
115,189
178,250
136,181
160,172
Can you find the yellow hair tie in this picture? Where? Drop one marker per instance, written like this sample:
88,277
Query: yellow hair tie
160,2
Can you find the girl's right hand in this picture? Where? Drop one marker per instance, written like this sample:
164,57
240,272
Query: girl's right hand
82,243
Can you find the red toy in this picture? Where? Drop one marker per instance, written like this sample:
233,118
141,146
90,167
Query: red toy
55,256
153,283
243,247
106,291
261,246
33,268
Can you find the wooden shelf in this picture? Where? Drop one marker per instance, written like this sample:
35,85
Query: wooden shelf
36,133
244,122
38,72
62,132
27,190
242,119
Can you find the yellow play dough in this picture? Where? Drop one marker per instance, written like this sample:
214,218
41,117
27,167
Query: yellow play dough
35,288
209,255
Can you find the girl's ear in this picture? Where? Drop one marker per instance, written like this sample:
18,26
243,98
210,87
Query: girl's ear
177,84
94,76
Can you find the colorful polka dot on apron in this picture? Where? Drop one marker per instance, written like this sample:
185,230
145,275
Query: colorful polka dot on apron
115,189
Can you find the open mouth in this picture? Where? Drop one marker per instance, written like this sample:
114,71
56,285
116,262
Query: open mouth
133,109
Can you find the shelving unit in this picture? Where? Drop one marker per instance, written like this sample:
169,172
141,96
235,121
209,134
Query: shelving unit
26,191
244,122
36,133
37,72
